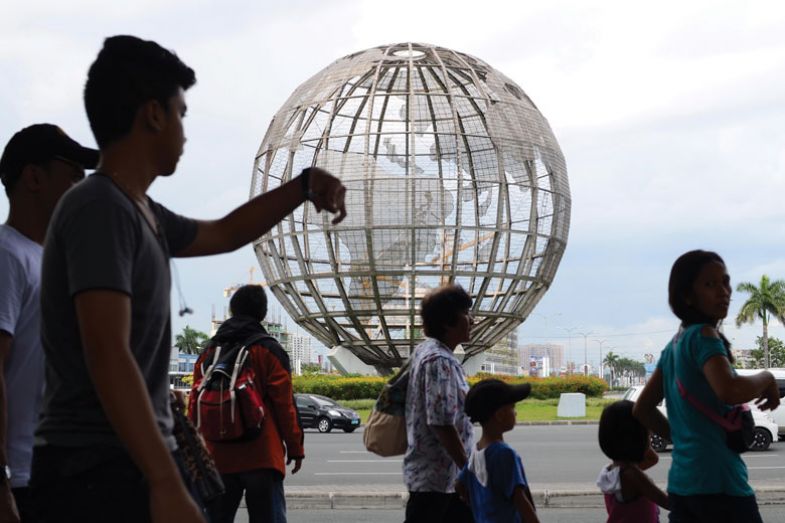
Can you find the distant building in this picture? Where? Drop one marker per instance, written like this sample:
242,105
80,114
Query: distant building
502,358
743,357
180,366
299,349
538,352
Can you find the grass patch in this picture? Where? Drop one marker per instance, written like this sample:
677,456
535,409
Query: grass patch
526,410
545,410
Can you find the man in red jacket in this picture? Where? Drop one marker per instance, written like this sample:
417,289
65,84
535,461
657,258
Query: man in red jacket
256,467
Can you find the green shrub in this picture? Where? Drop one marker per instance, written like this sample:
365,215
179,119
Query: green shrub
543,388
363,387
339,387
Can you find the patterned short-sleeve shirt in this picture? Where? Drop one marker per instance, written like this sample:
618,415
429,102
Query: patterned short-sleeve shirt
435,396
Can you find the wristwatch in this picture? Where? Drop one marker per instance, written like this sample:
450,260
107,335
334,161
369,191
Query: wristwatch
6,475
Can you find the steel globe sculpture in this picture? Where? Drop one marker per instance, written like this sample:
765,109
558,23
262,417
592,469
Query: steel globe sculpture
452,175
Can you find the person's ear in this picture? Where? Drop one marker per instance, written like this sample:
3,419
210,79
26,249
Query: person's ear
32,177
154,115
687,299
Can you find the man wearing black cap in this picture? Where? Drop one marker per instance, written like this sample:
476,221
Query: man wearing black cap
493,480
38,165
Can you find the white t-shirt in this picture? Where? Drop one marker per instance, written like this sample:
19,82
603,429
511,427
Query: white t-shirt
20,281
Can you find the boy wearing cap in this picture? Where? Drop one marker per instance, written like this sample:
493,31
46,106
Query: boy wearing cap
493,480
38,165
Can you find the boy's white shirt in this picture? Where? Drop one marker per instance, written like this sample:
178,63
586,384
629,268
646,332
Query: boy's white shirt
477,466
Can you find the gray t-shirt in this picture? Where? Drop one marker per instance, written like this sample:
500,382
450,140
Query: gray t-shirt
20,279
98,239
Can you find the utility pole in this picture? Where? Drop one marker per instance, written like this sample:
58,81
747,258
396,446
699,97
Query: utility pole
570,331
585,351
601,342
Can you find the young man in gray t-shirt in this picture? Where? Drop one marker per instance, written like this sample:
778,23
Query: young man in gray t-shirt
38,165
105,441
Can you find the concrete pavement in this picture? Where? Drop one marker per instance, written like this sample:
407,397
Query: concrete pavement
561,462
379,498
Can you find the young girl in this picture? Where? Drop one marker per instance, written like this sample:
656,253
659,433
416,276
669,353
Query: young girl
630,496
707,481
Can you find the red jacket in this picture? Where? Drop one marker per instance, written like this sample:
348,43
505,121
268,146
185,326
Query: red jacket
281,425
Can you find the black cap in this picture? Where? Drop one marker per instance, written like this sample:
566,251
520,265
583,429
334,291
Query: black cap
38,144
487,396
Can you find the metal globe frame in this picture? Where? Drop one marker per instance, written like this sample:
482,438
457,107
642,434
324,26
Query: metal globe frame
453,176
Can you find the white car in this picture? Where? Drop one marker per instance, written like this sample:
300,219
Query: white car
765,428
778,414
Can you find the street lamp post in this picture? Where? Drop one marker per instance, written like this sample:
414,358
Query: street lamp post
585,351
601,342
570,331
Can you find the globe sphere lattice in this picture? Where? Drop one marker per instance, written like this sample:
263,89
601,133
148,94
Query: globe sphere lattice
453,176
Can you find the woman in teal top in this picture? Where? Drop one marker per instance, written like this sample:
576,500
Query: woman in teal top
707,481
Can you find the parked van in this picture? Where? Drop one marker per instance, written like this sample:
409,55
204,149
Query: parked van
777,414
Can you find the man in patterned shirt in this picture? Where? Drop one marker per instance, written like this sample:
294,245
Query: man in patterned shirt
440,434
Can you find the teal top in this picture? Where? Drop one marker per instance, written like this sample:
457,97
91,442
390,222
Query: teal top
702,462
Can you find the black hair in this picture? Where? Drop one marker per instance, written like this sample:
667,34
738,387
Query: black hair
249,300
622,437
127,73
684,272
441,307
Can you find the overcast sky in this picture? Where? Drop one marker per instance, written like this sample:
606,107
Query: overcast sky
671,116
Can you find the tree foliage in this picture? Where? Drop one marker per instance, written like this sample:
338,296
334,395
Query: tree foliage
767,300
623,367
191,341
776,353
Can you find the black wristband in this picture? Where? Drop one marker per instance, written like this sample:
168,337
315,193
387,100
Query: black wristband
305,182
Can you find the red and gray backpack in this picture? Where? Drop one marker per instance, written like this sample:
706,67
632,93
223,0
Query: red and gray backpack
226,405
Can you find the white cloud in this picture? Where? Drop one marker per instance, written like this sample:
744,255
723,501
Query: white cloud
669,114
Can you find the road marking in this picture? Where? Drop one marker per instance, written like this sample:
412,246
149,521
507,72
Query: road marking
364,461
357,473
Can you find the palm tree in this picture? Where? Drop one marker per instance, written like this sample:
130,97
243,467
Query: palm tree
611,361
765,301
190,341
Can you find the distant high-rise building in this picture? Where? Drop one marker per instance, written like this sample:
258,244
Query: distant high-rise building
299,348
537,351
502,357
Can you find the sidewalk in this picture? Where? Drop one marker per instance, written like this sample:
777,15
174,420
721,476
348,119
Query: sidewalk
366,497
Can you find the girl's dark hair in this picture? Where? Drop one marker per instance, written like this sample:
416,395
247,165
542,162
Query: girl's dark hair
441,307
684,272
622,437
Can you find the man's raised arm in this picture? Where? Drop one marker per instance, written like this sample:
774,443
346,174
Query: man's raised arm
254,218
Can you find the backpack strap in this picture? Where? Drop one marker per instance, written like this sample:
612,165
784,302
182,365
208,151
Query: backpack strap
706,411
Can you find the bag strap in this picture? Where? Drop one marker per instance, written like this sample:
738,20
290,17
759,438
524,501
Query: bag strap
706,411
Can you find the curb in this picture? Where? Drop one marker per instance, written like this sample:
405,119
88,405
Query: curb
554,499
561,422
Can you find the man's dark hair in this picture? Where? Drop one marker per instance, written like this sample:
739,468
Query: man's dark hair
622,437
684,272
127,73
441,307
249,300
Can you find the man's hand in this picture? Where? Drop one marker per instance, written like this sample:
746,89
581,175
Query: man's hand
327,192
298,462
462,492
169,501
8,511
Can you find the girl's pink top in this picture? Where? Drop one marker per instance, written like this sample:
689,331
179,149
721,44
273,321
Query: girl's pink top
640,510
